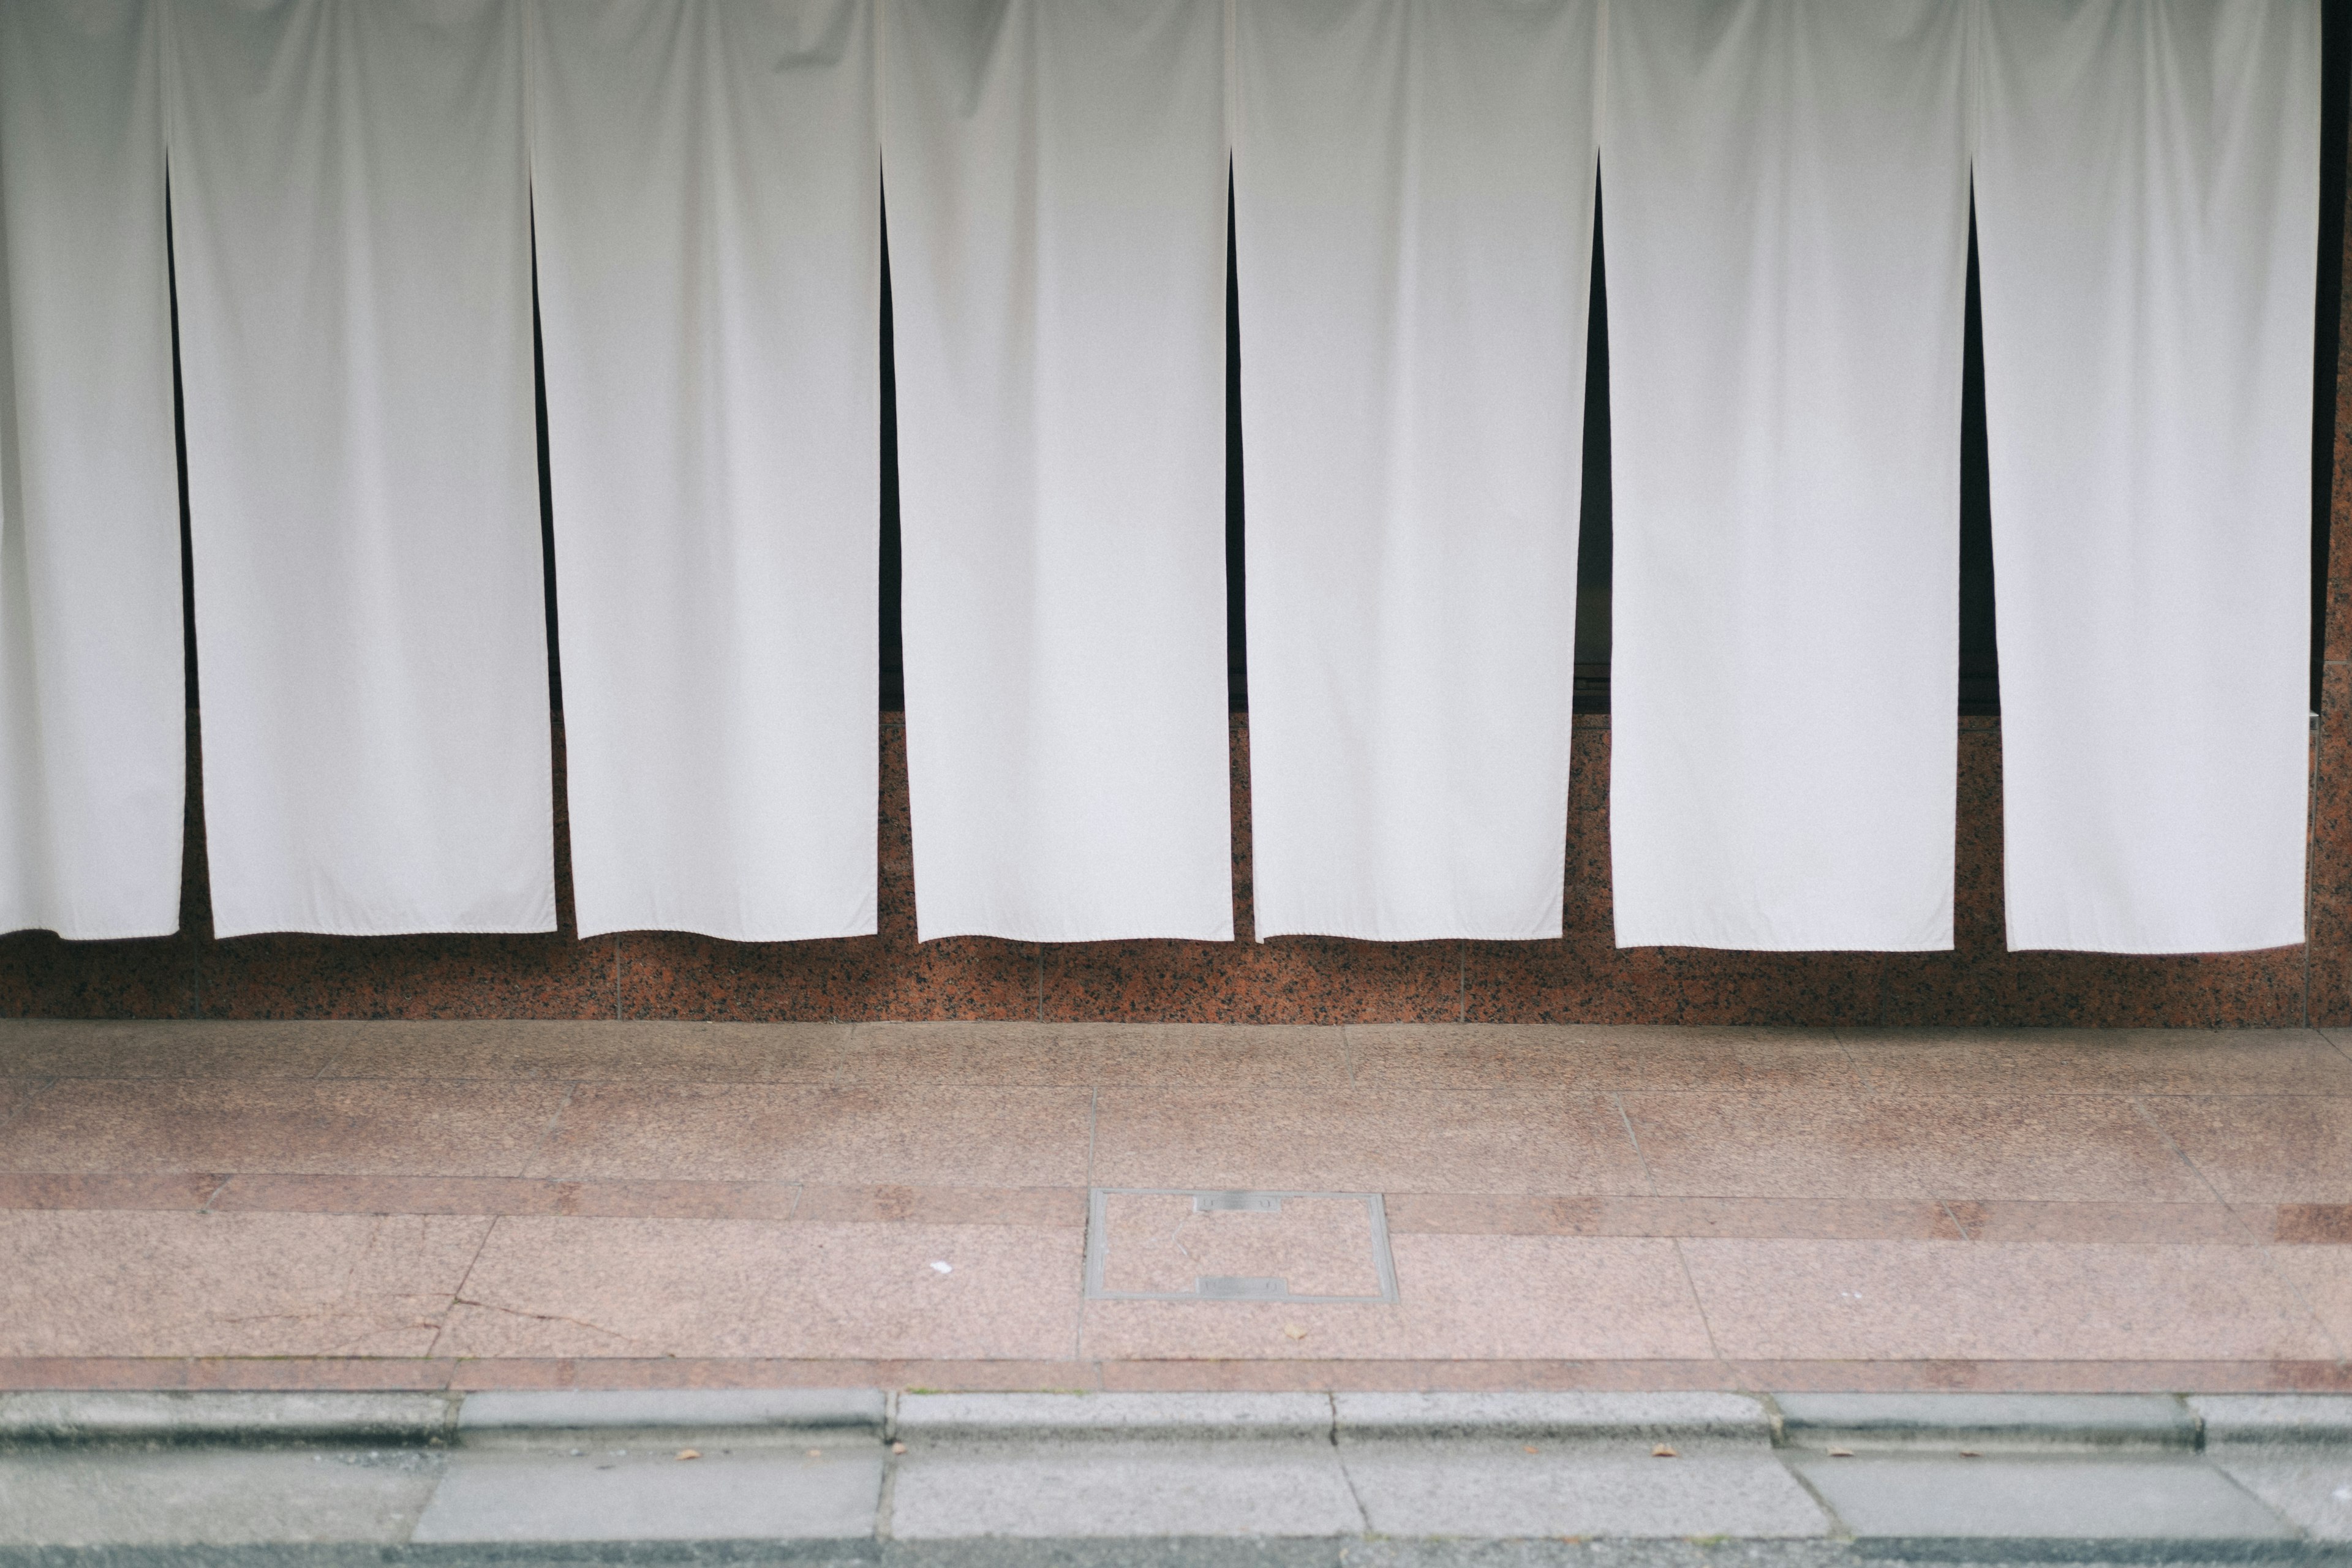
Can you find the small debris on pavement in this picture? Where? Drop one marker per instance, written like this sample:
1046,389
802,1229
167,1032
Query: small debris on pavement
941,1266
1971,1454
689,1453
1529,1448
898,1447
1662,1452
1841,1453
1295,1331
817,1453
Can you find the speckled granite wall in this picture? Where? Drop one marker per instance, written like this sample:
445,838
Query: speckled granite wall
1581,977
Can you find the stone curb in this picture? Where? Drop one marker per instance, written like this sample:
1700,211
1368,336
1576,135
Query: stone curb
1910,1422
832,1410
1136,1417
1559,1417
107,1417
2238,1418
2012,1422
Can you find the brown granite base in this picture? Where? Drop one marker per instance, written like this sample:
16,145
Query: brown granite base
1583,977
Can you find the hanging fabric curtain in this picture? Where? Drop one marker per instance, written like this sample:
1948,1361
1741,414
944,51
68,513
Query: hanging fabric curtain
706,199
1055,180
1414,181
92,716
1785,196
353,258
2148,241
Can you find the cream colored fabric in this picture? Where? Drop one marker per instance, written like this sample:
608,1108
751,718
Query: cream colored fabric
1055,178
1785,218
93,759
2145,189
706,203
352,231
1415,187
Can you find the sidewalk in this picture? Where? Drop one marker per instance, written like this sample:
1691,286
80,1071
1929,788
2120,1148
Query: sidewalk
858,1476
517,1205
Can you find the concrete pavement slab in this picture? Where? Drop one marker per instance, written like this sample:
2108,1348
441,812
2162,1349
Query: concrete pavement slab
1524,1417
1592,1489
1969,1420
2311,1488
100,1497
1926,1497
2235,1418
1204,1416
583,1409
771,1492
1124,1489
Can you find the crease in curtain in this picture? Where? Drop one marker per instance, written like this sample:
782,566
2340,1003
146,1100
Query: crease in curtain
2147,233
352,243
705,186
92,718
1786,227
1056,180
1415,190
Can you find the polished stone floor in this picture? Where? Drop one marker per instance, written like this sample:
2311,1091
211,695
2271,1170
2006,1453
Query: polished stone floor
527,1204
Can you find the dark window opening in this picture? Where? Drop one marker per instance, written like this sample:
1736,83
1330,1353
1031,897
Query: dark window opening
1980,648
894,657
2334,97
1593,528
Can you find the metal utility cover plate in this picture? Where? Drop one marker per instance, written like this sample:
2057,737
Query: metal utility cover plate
1187,1243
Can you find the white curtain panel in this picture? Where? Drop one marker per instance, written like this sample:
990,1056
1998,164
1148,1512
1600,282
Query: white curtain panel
1784,196
1413,182
92,757
706,193
352,239
2146,230
1055,178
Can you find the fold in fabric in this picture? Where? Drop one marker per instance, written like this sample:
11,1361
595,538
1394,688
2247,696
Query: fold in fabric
2147,238
1414,181
353,241
1786,226
93,763
707,202
1057,194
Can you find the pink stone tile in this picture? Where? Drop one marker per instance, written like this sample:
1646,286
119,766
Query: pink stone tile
2266,1149
730,1288
1008,1052
1467,1213
1479,1297
146,1284
506,1196
1318,1246
1875,1300
1058,1208
2326,1225
833,1136
1212,1056
185,1191
351,1128
2205,1225
2099,1061
597,1051
1879,1146
1593,1057
2322,1278
180,1048
1363,1141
